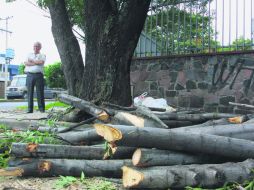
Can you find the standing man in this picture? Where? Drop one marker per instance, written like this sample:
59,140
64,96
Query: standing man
34,70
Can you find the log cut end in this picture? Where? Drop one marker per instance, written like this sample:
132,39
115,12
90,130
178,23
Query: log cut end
103,116
136,157
11,172
109,133
238,119
131,177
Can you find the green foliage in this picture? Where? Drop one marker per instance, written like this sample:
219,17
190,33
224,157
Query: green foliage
242,44
75,10
90,184
21,69
65,181
180,30
8,137
54,76
56,104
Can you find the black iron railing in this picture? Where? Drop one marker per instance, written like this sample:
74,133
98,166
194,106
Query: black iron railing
196,26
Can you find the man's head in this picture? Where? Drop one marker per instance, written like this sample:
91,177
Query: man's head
37,47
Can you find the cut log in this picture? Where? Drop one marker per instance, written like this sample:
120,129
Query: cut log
222,121
242,105
80,137
23,150
239,131
56,167
175,124
86,106
167,139
154,157
205,176
194,117
144,118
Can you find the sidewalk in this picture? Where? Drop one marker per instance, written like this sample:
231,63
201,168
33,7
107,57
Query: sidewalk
22,115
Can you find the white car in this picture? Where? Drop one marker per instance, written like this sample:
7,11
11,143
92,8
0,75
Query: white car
18,89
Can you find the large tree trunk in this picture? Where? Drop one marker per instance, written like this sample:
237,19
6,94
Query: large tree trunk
112,33
206,176
68,47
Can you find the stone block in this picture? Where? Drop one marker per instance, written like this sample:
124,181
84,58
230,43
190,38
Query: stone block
226,99
184,101
171,93
196,102
211,108
203,85
161,92
190,84
152,76
242,111
154,67
179,87
153,85
140,87
226,109
244,101
173,76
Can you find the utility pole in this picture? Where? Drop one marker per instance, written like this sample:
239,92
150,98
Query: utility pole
6,47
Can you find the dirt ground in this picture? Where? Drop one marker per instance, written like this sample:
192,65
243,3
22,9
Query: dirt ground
14,183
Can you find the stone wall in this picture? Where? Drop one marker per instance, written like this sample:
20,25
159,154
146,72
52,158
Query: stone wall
205,81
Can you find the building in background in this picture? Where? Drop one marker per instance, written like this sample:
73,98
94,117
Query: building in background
7,70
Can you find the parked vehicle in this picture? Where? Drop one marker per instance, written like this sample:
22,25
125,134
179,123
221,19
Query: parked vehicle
18,89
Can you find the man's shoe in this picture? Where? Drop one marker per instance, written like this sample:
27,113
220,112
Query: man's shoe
42,111
29,112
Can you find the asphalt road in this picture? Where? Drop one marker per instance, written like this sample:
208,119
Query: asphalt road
13,104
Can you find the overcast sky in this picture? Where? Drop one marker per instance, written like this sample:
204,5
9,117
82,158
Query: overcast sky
28,25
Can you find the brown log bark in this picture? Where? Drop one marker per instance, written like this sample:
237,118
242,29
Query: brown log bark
239,131
23,150
124,118
175,124
80,137
56,167
154,157
167,139
86,106
194,117
205,176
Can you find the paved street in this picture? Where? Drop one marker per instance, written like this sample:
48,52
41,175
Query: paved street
14,104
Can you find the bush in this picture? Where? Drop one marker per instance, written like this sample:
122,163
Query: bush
54,76
21,69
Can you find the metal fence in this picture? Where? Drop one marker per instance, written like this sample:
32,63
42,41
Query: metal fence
196,26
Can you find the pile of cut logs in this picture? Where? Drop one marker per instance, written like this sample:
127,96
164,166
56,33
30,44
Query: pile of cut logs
147,147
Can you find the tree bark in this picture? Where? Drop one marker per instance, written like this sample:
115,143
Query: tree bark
154,157
239,131
84,105
23,150
56,167
205,176
194,117
112,34
67,45
80,137
167,139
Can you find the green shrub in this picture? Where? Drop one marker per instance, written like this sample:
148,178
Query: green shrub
54,76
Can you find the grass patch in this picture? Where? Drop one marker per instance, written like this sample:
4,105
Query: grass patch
47,107
66,182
